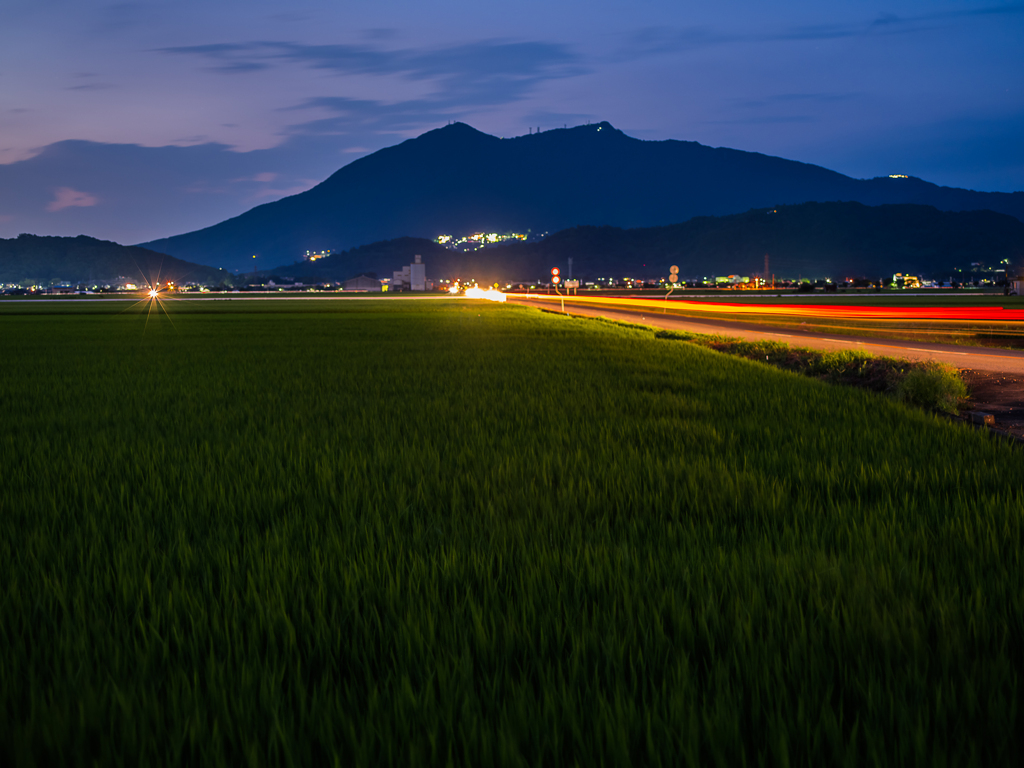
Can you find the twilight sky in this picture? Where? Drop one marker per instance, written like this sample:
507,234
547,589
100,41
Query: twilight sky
136,120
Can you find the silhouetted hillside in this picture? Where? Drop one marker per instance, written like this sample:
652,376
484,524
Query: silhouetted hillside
458,180
381,258
87,260
811,240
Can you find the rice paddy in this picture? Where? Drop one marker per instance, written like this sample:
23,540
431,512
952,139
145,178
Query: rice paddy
451,532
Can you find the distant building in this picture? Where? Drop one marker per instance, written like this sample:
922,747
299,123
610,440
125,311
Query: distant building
412,277
906,281
362,283
418,275
401,279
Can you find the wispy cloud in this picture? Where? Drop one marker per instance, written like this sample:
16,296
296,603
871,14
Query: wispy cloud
479,60
458,78
66,197
370,115
132,193
661,40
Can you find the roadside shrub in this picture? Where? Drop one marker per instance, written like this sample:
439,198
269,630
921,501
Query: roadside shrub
931,385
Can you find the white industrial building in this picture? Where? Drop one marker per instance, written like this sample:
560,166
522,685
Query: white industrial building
412,277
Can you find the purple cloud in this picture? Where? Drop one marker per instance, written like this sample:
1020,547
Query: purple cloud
66,197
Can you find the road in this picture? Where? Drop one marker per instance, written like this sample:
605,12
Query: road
975,358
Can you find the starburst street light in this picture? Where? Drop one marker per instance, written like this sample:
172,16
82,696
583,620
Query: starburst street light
152,299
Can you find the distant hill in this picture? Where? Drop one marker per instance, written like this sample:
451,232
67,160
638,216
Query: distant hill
811,240
457,180
87,260
381,258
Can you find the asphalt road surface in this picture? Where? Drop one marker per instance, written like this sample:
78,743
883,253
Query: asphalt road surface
975,358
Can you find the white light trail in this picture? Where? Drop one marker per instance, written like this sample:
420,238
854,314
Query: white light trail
490,294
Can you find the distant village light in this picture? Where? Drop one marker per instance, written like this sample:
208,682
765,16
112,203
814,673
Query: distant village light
477,240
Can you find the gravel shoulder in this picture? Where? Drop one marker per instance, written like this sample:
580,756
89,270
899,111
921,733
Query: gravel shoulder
1001,394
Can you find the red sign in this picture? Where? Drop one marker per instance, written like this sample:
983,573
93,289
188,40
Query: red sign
554,271
555,279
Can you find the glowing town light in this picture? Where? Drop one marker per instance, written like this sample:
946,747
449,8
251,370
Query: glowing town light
153,293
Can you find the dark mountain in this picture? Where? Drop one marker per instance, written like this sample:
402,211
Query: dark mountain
458,180
811,240
87,260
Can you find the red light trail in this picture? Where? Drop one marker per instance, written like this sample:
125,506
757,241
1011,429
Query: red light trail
856,312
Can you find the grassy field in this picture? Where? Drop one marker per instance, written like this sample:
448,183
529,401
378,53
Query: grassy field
443,532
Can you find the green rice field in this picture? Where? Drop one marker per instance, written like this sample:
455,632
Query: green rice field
442,532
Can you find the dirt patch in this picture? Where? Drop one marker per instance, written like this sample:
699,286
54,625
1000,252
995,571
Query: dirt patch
1000,394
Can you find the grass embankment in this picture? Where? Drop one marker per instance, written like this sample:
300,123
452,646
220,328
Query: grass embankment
931,384
418,532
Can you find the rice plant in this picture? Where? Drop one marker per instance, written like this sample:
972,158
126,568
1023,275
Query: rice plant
422,533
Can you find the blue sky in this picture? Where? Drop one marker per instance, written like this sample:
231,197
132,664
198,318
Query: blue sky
136,120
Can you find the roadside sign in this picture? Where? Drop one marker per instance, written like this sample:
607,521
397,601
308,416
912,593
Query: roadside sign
555,279
674,270
555,272
572,283
673,278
